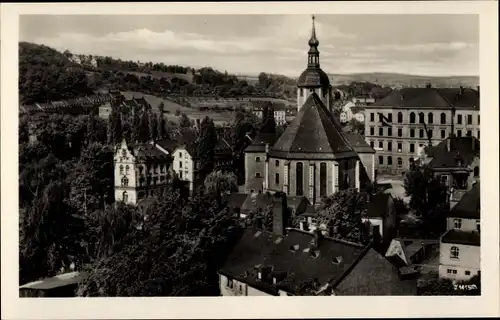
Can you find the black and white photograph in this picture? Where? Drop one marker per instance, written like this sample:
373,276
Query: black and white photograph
277,154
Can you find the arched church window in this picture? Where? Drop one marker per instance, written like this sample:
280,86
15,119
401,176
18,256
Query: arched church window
125,196
299,175
322,179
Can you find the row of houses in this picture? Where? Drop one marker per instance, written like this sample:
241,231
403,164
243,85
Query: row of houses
82,105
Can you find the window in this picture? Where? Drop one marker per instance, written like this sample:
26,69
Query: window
459,119
400,162
389,146
478,135
469,133
454,253
372,116
469,119
389,117
372,144
400,147
380,160
124,182
443,118
400,117
257,159
467,273
389,160
443,134
180,155
430,118
478,122
126,169
380,131
277,163
421,117
277,178
429,133
444,180
372,131
180,174
301,92
121,169
412,147
389,132
241,288
476,171
380,117
230,283
457,223
412,117
125,196
381,144
421,133
180,164
299,176
412,133
459,133
478,226
453,271
400,132
257,174
322,179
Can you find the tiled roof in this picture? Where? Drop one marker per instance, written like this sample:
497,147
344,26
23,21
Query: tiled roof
256,201
58,281
377,208
313,77
260,141
471,238
167,144
289,255
358,143
463,148
295,200
469,205
146,151
313,134
235,200
431,98
375,275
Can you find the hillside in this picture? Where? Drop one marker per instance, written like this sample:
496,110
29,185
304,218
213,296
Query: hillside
395,79
46,75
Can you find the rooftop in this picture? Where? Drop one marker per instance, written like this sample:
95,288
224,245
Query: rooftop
471,238
358,143
469,206
377,208
447,153
313,134
61,280
465,98
259,142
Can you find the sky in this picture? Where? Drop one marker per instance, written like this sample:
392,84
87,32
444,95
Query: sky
433,45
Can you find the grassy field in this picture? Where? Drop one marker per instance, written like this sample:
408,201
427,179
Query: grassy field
172,107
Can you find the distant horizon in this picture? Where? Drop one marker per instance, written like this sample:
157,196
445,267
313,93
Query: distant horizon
432,45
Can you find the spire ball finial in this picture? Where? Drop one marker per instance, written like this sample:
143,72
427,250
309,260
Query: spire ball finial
313,42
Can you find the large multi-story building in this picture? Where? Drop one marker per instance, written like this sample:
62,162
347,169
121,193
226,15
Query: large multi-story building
403,123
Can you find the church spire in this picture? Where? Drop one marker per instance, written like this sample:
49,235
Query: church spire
313,54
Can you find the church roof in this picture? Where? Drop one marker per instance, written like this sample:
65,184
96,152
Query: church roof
313,134
313,77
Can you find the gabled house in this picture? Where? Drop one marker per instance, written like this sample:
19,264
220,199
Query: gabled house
460,249
455,161
407,252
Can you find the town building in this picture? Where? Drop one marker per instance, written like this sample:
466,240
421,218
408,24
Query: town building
294,263
409,119
280,113
407,252
460,249
83,105
313,157
141,170
455,161
381,216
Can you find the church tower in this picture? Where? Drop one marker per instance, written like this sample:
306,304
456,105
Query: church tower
313,79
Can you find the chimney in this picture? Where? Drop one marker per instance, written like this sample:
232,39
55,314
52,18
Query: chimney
317,238
280,210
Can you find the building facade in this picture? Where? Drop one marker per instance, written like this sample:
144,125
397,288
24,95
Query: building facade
406,121
460,248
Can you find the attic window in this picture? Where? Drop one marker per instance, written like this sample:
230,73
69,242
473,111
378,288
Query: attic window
338,260
315,254
294,248
278,240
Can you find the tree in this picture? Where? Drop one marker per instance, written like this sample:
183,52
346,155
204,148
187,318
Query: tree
115,127
144,130
176,251
162,127
268,121
50,235
221,182
427,198
135,126
206,145
153,126
358,126
341,214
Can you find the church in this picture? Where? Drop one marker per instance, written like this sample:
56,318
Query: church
313,157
